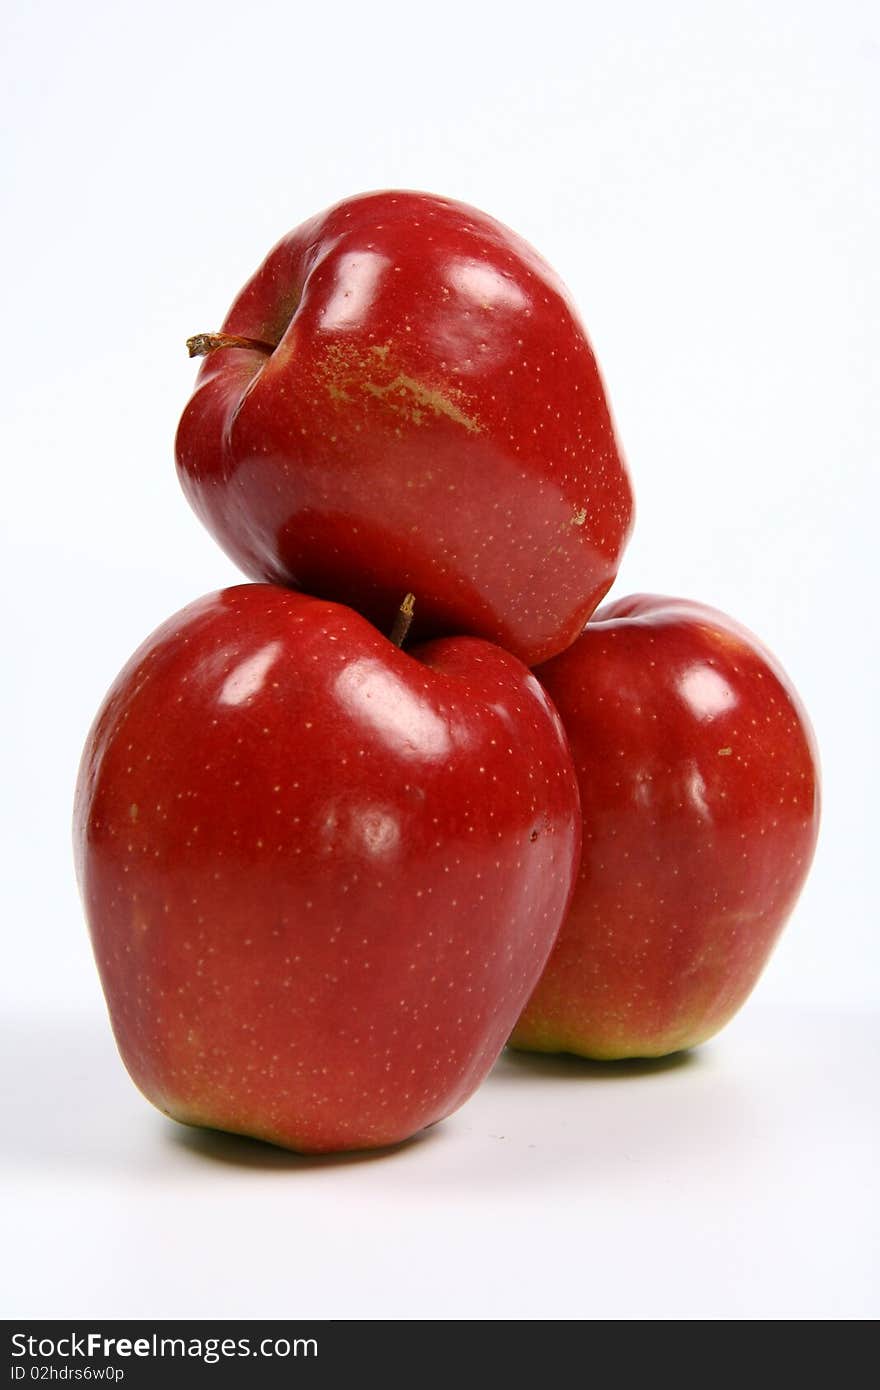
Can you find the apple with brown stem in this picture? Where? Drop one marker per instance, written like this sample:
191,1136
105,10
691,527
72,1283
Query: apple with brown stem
322,874
403,397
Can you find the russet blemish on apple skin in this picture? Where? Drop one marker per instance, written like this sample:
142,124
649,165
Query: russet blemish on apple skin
347,374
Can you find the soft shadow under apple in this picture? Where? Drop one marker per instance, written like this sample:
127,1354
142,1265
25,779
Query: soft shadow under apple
239,1151
515,1064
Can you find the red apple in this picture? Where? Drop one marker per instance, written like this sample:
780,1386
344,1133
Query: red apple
700,794
415,406
322,875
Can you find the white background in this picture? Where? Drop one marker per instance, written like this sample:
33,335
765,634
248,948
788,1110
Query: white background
704,176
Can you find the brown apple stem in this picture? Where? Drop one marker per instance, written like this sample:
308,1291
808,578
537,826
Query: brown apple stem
403,621
204,343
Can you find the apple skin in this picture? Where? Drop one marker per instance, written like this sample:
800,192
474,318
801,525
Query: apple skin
431,419
699,789
321,875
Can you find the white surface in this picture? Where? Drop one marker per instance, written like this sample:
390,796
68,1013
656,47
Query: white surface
705,179
740,1182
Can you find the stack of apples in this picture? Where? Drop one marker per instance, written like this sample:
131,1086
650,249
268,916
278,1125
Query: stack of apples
344,832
